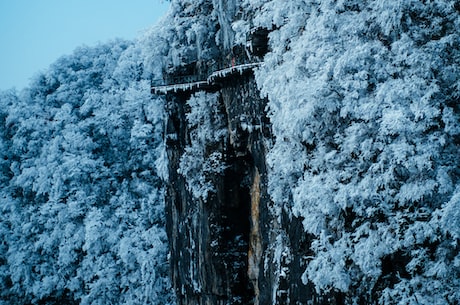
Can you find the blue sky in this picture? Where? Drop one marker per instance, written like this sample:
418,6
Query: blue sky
34,33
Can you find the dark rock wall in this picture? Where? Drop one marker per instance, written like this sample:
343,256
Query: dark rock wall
249,133
232,248
211,239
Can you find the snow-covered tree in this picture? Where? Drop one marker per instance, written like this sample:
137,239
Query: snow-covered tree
203,159
366,141
82,198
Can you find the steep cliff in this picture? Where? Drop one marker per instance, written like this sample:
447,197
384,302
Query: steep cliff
224,236
325,175
225,240
211,234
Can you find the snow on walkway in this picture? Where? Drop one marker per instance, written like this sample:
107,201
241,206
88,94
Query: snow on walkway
210,82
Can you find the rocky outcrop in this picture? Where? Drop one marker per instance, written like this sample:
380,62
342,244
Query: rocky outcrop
225,249
216,244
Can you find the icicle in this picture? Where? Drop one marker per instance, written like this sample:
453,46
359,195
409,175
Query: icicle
197,85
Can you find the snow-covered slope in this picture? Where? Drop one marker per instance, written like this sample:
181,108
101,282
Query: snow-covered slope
366,143
82,202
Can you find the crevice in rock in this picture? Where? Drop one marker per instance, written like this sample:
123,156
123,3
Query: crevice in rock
235,237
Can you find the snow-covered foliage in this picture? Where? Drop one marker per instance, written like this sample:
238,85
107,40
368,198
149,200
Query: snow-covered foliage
82,203
363,100
190,33
203,159
366,142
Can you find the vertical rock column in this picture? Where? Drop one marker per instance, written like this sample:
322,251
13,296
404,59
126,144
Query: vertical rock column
249,131
217,244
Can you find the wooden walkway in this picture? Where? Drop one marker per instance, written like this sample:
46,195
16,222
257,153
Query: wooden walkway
210,83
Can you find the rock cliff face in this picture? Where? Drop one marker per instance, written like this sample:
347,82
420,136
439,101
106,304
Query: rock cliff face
228,246
216,243
224,248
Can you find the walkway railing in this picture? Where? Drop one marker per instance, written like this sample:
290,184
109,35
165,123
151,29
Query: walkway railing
224,73
211,82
